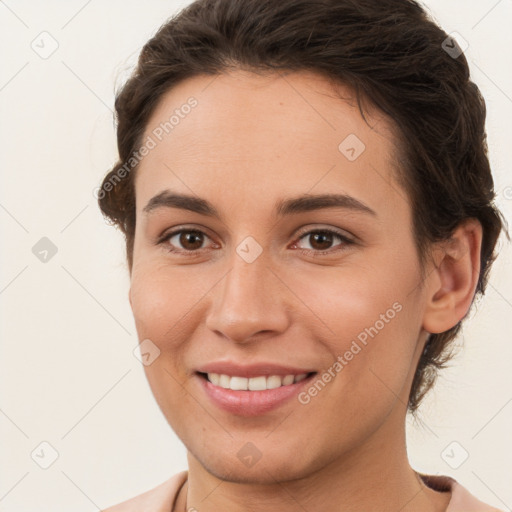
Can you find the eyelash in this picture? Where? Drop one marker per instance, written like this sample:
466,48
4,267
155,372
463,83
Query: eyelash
346,242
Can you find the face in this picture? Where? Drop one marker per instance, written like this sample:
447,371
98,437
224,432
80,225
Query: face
273,241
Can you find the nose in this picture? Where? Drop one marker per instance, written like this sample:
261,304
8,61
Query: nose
248,303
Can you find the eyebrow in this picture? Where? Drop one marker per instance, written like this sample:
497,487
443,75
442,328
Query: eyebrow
294,205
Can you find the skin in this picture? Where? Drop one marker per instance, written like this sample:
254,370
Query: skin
251,141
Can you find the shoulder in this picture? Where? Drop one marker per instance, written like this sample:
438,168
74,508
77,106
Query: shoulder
158,499
461,499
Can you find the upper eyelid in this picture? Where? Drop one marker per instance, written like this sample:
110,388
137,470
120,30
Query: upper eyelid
336,231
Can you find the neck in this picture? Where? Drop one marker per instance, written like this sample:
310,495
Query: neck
375,476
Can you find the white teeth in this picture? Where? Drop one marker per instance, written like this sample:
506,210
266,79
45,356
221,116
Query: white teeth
237,383
288,379
224,381
254,383
257,383
274,381
214,378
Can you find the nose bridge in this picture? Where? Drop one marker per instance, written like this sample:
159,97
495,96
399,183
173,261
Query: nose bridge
248,300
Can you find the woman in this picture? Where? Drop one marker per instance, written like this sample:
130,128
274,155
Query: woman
308,209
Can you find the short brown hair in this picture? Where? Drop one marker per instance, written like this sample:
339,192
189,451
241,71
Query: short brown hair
390,53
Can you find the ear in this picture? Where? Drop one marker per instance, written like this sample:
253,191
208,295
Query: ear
130,296
451,283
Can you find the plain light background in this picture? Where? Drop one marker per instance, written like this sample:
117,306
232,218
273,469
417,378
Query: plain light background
68,373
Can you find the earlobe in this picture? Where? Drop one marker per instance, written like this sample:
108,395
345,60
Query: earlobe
451,283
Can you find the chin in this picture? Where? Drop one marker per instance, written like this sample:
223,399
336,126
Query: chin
271,469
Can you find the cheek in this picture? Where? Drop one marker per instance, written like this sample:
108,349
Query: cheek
160,301
346,300
160,305
371,348
371,318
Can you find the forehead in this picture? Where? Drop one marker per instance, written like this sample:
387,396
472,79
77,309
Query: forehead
251,136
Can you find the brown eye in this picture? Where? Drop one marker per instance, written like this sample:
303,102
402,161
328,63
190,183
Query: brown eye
185,240
322,240
191,240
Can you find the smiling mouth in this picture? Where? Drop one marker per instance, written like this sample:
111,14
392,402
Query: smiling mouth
258,383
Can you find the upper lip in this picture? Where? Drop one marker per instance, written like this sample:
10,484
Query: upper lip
251,370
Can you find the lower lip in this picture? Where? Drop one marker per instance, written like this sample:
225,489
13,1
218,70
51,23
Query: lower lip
251,403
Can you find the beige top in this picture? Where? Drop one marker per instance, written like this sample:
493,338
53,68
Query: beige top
162,497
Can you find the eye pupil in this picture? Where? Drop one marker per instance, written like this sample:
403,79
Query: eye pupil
187,239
